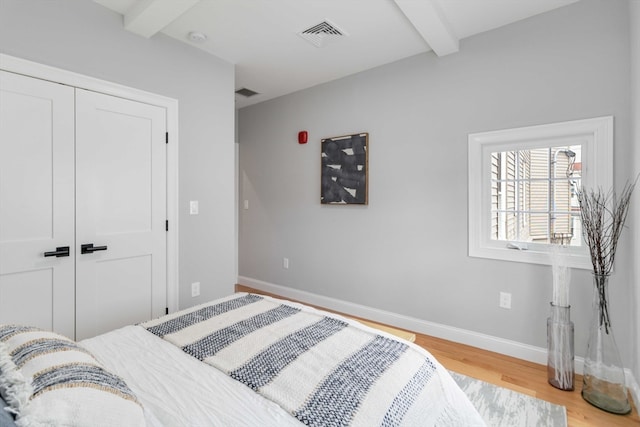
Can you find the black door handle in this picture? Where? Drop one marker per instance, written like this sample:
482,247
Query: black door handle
60,251
88,248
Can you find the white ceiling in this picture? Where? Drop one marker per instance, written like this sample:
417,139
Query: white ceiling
261,36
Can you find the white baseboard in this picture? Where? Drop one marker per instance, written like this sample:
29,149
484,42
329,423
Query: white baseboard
463,336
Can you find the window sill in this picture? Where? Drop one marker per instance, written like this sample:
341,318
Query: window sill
575,259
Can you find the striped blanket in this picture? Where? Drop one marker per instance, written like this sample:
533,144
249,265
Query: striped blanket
320,368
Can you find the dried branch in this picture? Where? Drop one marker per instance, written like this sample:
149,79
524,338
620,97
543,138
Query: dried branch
603,217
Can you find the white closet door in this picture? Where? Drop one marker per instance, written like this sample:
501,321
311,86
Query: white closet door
121,211
36,203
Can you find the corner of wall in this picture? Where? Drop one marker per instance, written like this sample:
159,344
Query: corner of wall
634,26
633,386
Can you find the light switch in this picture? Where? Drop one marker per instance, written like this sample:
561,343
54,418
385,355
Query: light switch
193,207
246,204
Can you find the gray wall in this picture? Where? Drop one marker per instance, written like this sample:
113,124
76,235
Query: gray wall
406,252
635,139
86,38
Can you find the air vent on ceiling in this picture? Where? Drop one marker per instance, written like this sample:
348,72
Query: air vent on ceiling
246,92
321,34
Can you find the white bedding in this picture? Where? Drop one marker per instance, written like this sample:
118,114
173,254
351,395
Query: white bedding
176,389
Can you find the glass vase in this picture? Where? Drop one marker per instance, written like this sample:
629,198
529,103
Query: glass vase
603,383
560,351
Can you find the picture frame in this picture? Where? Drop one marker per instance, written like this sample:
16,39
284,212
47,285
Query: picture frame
344,176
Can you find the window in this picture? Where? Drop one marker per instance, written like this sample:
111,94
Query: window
523,183
533,195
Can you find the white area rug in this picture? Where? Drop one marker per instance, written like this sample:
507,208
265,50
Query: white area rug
501,407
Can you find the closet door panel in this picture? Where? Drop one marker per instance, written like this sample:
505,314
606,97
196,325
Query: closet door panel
26,299
113,280
27,167
121,209
123,173
36,203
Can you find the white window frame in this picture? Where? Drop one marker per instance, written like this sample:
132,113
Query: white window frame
596,137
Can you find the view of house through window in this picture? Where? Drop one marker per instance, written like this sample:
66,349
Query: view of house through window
533,195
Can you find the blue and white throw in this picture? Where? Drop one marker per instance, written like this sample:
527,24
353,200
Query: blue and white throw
322,369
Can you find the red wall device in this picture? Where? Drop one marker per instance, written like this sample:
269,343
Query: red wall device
302,137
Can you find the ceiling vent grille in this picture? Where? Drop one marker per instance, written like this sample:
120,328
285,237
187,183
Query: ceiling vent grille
321,34
246,92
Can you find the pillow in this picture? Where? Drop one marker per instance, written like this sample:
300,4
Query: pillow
6,419
48,379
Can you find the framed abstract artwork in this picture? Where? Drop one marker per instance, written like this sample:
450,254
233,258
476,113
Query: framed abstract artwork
345,170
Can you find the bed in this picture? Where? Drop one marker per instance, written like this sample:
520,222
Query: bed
242,360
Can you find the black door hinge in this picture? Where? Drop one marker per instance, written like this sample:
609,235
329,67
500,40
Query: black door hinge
166,137
166,225
166,310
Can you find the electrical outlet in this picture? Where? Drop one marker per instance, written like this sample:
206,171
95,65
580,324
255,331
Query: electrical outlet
285,263
193,207
195,289
505,300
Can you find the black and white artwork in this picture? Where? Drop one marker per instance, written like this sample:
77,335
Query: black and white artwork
345,169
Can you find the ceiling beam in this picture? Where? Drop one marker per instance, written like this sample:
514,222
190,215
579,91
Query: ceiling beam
429,20
147,17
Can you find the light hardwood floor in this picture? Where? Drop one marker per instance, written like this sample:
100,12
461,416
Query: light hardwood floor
515,374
